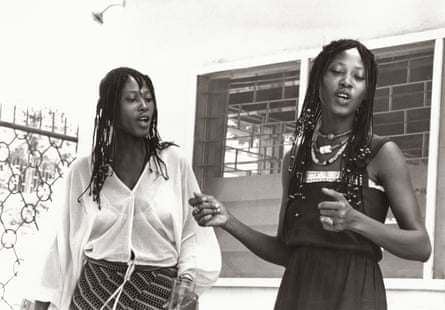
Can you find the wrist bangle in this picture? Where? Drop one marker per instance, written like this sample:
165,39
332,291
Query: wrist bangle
186,276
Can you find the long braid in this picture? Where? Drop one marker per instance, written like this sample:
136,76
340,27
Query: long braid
103,147
355,156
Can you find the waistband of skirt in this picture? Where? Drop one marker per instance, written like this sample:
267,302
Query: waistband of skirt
122,266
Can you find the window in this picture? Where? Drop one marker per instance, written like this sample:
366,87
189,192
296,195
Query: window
243,121
261,116
243,128
402,113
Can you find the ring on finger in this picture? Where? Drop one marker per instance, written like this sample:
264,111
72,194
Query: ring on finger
217,207
327,220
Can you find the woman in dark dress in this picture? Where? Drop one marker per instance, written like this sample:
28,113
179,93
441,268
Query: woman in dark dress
338,180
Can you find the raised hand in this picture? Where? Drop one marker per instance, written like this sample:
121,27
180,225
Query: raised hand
208,211
336,215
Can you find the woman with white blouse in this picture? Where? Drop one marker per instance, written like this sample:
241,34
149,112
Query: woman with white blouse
125,229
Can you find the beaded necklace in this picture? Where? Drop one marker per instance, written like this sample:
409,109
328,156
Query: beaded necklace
333,136
327,149
329,161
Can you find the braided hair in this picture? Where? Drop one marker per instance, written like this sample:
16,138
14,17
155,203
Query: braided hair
107,109
353,166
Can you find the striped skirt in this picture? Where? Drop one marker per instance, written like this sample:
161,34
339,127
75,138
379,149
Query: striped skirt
133,286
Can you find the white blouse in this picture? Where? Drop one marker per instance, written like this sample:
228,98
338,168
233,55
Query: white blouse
153,220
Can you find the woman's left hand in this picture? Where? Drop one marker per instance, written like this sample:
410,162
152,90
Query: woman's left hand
336,215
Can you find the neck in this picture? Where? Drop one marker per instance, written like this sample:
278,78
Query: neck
334,125
128,149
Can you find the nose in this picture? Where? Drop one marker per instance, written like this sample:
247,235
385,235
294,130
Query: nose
346,81
143,104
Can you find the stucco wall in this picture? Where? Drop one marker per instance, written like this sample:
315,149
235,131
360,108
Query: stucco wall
53,53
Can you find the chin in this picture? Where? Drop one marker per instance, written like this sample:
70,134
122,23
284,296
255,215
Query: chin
343,113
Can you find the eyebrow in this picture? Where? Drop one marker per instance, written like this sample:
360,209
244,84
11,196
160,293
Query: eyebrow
139,92
342,63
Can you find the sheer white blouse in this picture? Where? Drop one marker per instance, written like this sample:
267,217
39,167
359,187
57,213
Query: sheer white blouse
153,220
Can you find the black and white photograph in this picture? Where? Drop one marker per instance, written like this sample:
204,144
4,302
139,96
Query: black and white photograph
235,154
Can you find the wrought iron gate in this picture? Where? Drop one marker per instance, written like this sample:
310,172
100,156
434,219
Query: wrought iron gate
36,147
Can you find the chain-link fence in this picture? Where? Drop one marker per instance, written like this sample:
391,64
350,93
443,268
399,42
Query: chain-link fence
36,148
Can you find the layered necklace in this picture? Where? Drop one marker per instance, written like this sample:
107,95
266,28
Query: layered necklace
328,148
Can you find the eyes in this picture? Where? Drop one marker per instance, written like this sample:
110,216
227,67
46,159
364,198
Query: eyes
133,97
339,71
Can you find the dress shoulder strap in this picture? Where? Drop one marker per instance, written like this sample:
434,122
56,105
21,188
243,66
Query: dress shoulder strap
376,144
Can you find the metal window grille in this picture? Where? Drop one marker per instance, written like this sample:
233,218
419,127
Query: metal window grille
36,147
245,120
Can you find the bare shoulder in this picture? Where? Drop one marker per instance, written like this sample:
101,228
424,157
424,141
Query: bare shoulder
388,161
388,152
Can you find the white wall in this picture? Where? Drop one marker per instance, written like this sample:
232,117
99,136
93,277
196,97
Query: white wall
53,53
414,296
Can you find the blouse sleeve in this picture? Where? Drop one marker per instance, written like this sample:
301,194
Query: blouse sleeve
47,256
200,255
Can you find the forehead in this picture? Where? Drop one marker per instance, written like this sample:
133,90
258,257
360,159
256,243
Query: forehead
350,57
132,85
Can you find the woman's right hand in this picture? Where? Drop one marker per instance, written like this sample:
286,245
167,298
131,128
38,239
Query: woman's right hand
208,211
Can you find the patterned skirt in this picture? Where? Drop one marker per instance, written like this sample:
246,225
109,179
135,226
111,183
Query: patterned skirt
321,279
134,287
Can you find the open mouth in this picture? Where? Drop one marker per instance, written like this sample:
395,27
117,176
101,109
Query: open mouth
144,120
343,96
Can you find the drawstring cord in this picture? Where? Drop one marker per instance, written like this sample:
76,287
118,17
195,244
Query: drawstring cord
120,289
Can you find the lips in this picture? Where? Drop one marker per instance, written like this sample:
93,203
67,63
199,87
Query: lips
144,120
343,95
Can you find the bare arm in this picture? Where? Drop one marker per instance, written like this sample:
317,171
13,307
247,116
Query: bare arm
210,212
269,248
410,240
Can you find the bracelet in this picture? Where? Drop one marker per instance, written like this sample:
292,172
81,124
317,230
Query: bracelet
186,276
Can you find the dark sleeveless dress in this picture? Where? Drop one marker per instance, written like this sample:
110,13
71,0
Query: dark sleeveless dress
331,270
